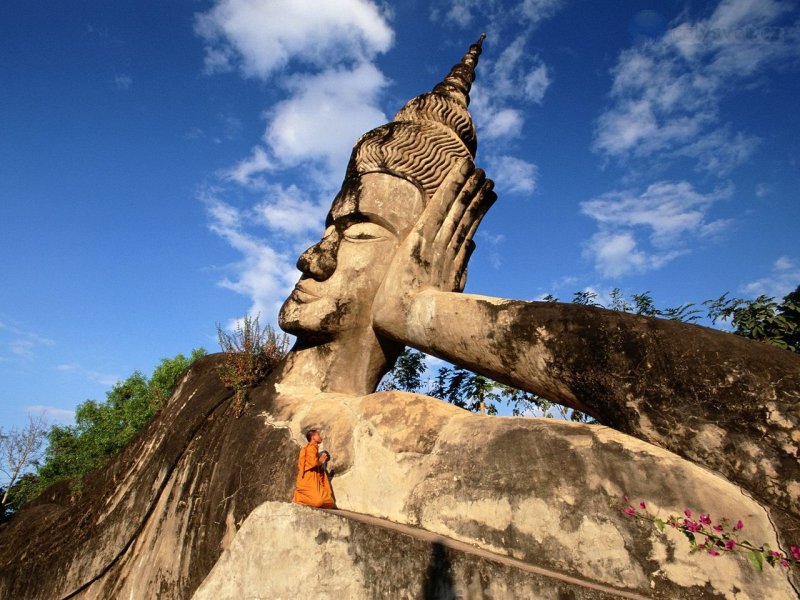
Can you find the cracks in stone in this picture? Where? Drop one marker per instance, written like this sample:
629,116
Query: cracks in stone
154,502
768,511
226,498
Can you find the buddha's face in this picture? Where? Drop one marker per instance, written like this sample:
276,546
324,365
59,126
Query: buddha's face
369,218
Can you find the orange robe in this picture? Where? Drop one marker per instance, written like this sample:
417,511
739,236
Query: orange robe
313,487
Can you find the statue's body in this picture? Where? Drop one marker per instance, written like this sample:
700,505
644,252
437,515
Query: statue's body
388,272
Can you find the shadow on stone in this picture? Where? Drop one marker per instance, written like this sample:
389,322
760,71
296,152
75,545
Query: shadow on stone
438,584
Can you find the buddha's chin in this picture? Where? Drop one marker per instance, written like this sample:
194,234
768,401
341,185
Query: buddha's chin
302,318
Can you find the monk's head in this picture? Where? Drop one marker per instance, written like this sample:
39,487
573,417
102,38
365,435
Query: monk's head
313,435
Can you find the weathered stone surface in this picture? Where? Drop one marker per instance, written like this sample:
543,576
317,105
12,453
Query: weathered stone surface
151,521
533,489
530,489
331,556
722,401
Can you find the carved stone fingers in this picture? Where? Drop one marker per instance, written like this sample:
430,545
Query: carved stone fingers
462,243
451,218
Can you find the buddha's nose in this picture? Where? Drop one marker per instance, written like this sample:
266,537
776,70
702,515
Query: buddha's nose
319,261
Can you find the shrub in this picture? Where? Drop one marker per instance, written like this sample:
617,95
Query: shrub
251,352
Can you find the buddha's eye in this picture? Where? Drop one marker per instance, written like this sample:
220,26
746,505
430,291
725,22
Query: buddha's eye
366,232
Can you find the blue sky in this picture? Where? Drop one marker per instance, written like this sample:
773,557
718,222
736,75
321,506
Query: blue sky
164,163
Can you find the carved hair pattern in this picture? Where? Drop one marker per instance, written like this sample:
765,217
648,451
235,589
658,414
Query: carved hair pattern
428,136
424,152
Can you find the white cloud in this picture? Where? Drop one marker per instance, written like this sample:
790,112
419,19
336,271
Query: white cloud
195,133
493,242
123,82
667,93
459,13
264,274
288,210
784,277
640,232
535,11
326,113
495,14
231,126
105,379
784,263
518,74
562,282
506,85
763,190
22,343
497,123
245,171
720,151
513,175
260,37
536,83
51,412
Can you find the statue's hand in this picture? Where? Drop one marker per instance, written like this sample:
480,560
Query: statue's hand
435,253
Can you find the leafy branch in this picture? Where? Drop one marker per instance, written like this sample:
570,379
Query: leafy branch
714,538
250,353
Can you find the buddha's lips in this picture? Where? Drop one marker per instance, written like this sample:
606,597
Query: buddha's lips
302,294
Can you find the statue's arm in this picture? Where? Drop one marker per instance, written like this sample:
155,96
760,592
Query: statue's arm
729,403
507,340
616,366
713,397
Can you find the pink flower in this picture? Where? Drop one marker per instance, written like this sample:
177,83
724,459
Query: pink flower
716,527
625,498
730,545
691,525
785,564
687,512
776,554
630,511
739,524
795,550
642,505
705,519
713,553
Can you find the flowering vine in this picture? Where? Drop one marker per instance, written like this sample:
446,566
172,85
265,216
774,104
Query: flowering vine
715,538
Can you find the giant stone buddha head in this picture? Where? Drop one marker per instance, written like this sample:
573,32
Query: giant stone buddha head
393,171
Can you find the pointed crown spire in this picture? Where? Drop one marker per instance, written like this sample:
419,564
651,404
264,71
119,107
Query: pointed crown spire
447,103
459,81
427,137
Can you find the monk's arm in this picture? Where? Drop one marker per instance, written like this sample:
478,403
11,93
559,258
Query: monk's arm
311,460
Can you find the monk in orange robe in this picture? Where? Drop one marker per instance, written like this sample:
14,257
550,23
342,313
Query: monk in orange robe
313,487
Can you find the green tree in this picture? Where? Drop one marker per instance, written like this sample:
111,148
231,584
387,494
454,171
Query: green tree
101,429
762,319
406,375
466,389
